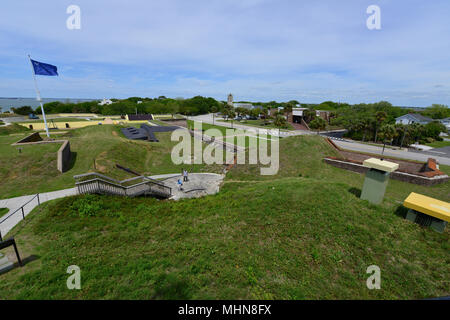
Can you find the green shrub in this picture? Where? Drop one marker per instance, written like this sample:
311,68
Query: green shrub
87,206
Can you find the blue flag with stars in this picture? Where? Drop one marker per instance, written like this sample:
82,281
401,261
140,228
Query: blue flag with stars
44,69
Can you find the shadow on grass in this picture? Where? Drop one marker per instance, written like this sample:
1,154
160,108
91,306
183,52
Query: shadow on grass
172,287
355,191
73,159
401,212
26,260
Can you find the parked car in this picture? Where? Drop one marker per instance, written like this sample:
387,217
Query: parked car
33,116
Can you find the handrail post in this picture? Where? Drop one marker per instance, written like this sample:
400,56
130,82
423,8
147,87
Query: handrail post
23,214
17,254
1,239
39,202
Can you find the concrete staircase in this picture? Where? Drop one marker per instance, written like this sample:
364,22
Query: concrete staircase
100,184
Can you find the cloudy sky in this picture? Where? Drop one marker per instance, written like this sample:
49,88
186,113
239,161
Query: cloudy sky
259,50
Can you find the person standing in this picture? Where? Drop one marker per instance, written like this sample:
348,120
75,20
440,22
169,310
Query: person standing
185,178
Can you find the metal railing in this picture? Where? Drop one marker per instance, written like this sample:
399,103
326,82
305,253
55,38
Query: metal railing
98,183
20,209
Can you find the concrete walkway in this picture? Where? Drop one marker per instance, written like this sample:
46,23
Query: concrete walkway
15,203
207,181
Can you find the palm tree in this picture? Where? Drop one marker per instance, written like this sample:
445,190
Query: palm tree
366,124
279,121
318,123
287,109
265,114
380,117
387,133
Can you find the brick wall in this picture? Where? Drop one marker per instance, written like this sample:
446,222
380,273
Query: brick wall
401,176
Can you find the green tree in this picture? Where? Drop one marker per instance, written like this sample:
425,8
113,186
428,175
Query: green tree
288,109
309,115
380,117
318,124
280,121
265,114
387,133
437,111
24,110
433,129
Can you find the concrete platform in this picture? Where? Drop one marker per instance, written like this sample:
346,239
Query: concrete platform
199,185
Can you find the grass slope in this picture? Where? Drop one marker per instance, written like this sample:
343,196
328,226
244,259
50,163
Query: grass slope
281,237
293,238
35,169
12,129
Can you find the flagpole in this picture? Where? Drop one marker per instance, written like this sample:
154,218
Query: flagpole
38,95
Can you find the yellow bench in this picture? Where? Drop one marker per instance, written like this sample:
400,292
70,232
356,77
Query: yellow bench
427,211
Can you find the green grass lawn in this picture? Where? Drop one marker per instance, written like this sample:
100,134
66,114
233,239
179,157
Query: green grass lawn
225,131
12,129
302,234
34,170
439,144
259,124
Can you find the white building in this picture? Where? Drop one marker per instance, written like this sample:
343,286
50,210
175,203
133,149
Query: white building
248,106
105,102
411,118
446,123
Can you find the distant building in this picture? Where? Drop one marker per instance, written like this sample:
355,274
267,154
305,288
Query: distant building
230,100
105,102
411,118
446,123
247,106
139,117
297,114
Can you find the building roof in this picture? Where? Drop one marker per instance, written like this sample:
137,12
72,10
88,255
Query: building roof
139,117
243,105
416,116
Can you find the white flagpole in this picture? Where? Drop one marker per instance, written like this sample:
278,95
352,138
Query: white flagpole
38,95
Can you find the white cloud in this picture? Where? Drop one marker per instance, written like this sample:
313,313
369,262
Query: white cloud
257,49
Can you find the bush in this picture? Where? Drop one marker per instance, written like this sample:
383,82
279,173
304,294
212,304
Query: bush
87,206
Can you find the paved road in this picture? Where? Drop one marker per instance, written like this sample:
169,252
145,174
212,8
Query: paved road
441,155
417,155
442,152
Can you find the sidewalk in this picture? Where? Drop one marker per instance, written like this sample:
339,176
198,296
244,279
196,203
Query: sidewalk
14,203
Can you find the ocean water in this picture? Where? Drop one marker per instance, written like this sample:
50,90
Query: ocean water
7,103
